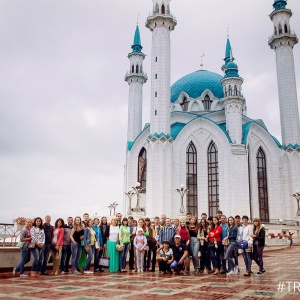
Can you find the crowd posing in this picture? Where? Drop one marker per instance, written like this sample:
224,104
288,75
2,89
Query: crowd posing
212,245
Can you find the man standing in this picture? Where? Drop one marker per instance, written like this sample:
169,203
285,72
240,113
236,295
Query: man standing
86,216
224,226
188,218
155,232
167,233
163,220
48,229
66,248
181,258
204,216
238,224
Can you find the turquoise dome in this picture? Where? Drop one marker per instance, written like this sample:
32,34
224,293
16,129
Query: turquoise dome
194,84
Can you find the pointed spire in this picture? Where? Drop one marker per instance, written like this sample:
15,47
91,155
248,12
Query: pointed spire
137,46
228,52
279,4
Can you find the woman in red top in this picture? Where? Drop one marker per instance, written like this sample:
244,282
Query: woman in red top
56,244
214,236
183,232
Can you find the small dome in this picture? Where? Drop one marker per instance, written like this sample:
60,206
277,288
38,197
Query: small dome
194,84
231,65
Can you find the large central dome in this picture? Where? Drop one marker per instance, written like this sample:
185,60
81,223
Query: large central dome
194,84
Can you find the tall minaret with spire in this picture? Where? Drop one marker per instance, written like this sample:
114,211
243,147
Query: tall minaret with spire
283,41
233,100
159,188
135,78
161,23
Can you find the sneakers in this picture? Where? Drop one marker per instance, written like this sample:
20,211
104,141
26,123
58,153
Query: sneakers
263,271
236,270
14,271
23,275
230,273
259,273
76,272
88,272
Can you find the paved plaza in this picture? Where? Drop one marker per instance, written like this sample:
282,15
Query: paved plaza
281,281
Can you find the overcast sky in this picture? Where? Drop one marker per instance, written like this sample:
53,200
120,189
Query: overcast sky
63,98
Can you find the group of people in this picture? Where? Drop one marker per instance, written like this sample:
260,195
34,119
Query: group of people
212,245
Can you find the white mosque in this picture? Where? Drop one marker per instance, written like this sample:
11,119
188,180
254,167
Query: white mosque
200,135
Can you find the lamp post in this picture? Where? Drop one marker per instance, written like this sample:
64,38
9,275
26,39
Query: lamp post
296,195
130,194
114,206
110,207
182,191
138,189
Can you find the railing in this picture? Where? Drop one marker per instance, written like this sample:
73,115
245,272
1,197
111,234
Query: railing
284,222
289,32
8,235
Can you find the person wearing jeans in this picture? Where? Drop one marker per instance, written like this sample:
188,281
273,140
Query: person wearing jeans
232,237
48,229
25,237
89,245
66,248
124,239
76,236
194,242
99,241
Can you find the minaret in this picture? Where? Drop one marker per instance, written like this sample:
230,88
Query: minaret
283,41
161,23
233,100
228,54
160,144
135,78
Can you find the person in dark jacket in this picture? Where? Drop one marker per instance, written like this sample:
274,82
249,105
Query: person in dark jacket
258,236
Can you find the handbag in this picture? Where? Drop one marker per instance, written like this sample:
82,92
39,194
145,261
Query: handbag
104,260
225,242
119,247
31,245
20,244
243,245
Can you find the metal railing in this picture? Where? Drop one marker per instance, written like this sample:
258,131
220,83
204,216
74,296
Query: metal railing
9,235
284,222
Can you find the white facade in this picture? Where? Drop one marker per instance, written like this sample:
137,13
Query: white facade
236,165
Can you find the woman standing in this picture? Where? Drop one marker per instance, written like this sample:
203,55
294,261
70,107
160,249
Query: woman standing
89,239
214,237
148,235
76,237
25,238
38,237
183,232
112,238
202,233
246,236
124,238
56,244
258,236
194,244
98,244
232,237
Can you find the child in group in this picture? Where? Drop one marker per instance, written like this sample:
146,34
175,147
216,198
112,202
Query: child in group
140,242
165,258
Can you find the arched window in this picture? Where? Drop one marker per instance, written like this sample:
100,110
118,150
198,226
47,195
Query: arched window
275,31
156,8
235,91
230,90
132,69
262,186
142,168
155,94
155,76
184,104
285,28
168,9
156,59
163,9
136,69
279,29
191,179
213,179
207,102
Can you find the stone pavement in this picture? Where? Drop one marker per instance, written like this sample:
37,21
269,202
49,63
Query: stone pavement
281,267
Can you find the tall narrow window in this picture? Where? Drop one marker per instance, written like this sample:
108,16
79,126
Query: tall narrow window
184,104
155,76
163,9
132,69
279,29
230,90
262,186
155,94
136,69
191,180
207,102
213,179
285,28
235,91
142,168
